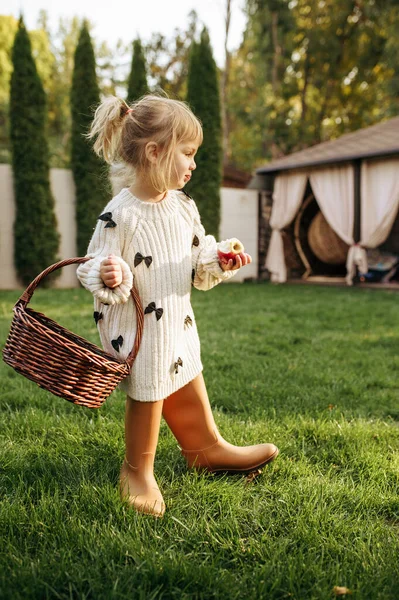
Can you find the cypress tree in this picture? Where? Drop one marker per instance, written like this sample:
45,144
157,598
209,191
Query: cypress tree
137,83
89,172
204,99
36,237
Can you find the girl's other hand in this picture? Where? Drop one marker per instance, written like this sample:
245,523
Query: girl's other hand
240,260
111,272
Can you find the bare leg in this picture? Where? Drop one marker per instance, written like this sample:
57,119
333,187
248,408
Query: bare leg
137,482
189,415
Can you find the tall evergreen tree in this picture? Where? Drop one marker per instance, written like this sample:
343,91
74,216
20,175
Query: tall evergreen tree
137,83
35,229
89,172
204,99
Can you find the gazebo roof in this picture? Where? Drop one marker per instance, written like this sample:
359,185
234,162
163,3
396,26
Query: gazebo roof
378,140
235,178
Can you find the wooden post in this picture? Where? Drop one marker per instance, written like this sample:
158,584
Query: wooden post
357,209
259,232
357,201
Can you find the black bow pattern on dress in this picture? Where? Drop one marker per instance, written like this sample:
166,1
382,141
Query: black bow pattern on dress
151,308
192,276
195,241
97,316
188,321
116,344
139,258
107,217
178,363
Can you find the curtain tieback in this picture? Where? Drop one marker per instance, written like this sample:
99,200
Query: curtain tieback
357,257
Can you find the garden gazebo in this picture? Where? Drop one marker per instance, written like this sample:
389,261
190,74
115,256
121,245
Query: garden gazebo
353,182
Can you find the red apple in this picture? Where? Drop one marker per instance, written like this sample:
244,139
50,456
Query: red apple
229,249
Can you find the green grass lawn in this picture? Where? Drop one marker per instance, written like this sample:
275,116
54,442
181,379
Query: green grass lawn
314,370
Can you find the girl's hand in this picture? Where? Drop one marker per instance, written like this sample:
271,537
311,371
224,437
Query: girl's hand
240,260
111,272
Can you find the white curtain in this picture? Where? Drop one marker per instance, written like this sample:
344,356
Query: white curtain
357,257
380,200
379,191
334,191
289,189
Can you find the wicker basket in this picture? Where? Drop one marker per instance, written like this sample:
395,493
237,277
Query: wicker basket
325,243
60,361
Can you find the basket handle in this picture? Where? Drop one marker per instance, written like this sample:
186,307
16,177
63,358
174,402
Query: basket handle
28,293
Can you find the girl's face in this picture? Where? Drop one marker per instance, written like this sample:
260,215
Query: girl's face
184,164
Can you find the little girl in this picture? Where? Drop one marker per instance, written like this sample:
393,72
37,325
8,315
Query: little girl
151,232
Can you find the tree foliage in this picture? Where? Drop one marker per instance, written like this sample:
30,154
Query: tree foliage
112,67
8,28
63,44
311,70
306,71
35,229
44,62
168,58
89,172
137,83
204,99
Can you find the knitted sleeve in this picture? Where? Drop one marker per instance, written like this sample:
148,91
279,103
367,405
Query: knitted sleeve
207,271
108,238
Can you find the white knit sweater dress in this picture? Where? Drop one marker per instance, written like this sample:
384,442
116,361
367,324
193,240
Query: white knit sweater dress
163,246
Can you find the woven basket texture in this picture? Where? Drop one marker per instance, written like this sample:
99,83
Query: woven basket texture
60,361
325,243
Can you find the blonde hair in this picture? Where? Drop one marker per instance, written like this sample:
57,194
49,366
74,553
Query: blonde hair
122,133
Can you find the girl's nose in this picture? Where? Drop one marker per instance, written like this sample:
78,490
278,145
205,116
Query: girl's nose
193,166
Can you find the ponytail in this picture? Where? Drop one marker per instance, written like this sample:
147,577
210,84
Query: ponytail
122,134
107,126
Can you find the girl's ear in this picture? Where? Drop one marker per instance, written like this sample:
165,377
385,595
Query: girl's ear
151,152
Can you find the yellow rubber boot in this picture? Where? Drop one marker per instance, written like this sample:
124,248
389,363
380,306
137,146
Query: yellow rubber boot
138,485
189,416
